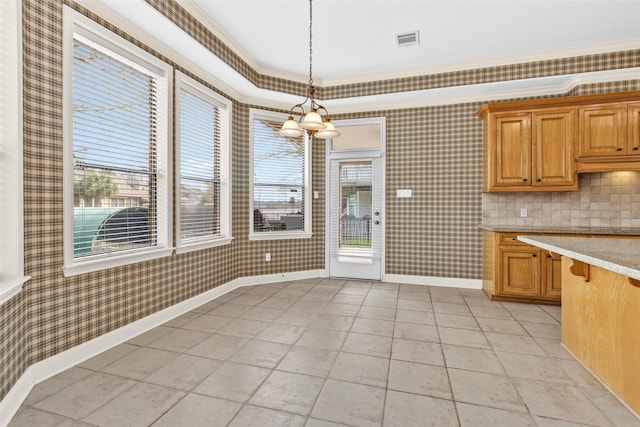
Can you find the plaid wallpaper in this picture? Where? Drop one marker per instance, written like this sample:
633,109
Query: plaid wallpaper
435,151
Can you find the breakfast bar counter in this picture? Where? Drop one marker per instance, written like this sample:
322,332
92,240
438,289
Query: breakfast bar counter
600,307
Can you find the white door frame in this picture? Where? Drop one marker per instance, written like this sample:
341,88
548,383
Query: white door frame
355,155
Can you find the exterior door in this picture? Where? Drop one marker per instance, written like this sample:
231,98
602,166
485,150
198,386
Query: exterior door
355,201
356,219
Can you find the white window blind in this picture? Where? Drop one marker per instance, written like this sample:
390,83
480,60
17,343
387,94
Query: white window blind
117,152
202,146
279,178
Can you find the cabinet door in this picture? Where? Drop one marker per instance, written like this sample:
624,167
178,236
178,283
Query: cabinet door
634,129
553,139
519,271
551,276
603,130
511,161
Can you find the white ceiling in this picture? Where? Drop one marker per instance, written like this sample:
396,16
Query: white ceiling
355,39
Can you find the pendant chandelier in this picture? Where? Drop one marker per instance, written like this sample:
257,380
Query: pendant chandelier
316,124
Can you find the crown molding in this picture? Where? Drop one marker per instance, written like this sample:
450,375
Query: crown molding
146,24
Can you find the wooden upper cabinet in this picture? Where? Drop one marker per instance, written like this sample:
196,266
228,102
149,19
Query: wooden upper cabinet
633,119
553,139
603,130
511,150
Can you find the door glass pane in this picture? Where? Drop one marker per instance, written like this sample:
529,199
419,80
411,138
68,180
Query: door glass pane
354,231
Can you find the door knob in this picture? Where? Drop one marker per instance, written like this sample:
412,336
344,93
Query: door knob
376,213
376,222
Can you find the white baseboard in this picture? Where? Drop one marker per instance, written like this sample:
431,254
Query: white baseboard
447,282
53,365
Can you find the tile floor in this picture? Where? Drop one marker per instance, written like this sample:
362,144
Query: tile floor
327,352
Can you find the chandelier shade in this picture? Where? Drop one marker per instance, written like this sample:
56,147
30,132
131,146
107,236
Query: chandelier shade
316,121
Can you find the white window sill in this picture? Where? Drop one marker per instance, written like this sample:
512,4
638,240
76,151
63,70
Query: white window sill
11,287
279,235
91,265
203,244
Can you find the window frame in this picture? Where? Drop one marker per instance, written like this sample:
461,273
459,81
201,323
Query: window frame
188,84
12,276
306,233
74,24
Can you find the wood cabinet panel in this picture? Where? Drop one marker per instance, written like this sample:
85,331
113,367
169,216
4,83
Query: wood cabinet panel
634,128
512,150
520,272
603,130
552,274
553,136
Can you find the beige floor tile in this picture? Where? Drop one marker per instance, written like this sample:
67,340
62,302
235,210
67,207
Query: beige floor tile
415,331
559,401
253,416
361,369
351,404
474,416
207,323
514,344
417,351
308,306
415,296
463,337
484,389
348,299
199,411
179,340
380,302
534,316
478,300
341,309
278,303
280,333
413,316
382,313
449,299
30,417
261,353
243,328
371,345
289,392
249,299
520,306
404,409
580,376
55,384
184,372
295,318
413,288
331,321
383,293
233,381
373,327
554,348
86,395
612,408
103,359
140,405
322,338
456,321
543,330
151,335
533,367
427,380
447,308
207,306
182,319
140,363
313,422
412,304
219,347
264,290
307,360
493,311
294,294
317,296
472,359
549,422
501,326
264,314
230,310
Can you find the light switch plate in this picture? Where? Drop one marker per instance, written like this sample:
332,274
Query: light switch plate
404,193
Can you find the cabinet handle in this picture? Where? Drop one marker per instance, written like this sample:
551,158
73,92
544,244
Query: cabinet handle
534,255
635,148
548,256
539,180
619,149
525,179
514,238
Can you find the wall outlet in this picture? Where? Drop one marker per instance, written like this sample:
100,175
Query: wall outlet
523,212
267,256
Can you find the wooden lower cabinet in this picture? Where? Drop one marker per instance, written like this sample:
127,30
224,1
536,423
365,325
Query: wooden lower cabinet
517,271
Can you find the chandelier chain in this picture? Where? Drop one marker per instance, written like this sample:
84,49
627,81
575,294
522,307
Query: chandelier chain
310,42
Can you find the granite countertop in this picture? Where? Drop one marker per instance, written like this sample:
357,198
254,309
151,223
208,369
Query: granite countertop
618,255
561,230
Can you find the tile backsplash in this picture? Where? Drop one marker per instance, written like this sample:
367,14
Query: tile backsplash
610,199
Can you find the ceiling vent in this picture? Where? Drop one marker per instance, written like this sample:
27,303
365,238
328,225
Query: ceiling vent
408,39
